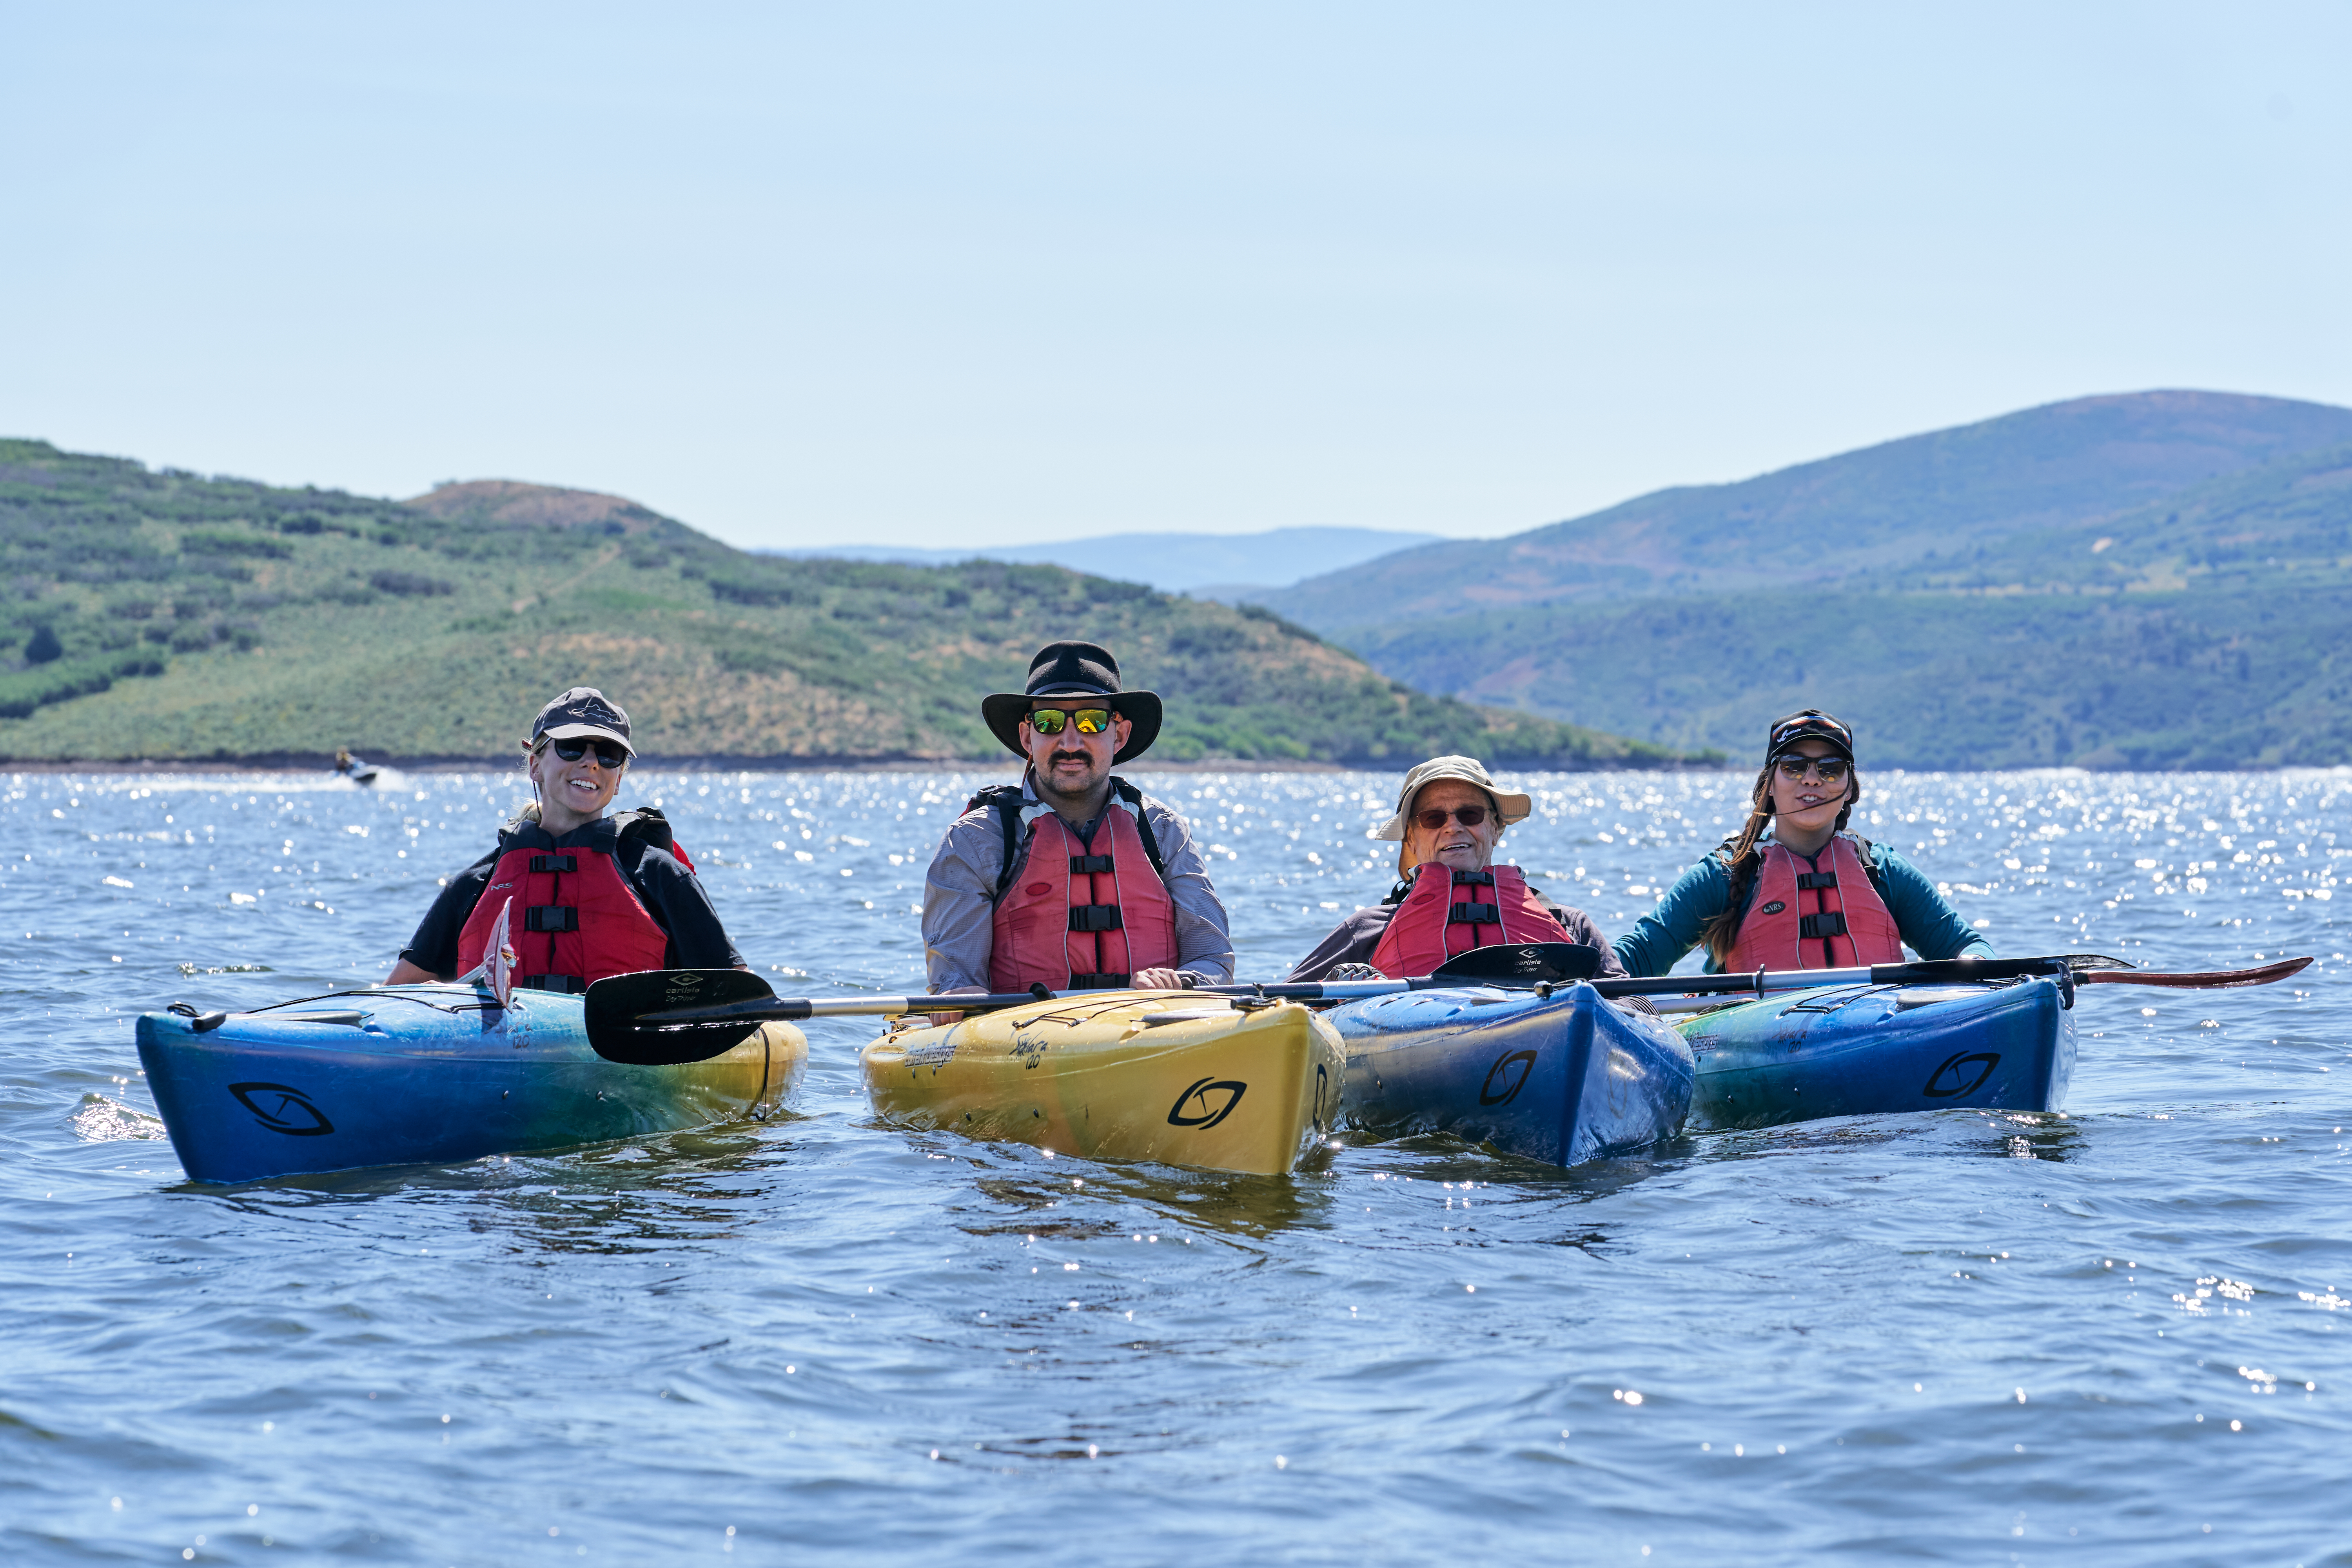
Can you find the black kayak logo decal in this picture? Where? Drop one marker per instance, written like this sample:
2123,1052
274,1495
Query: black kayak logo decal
283,1108
1212,1111
1488,1094
1952,1081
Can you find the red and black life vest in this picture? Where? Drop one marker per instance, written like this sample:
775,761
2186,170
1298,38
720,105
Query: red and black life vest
1444,916
1073,918
578,916
1804,917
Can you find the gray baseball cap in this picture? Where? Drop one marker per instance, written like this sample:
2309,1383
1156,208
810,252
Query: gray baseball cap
583,711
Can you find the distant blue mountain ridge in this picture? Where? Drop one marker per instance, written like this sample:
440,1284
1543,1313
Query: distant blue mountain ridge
1205,566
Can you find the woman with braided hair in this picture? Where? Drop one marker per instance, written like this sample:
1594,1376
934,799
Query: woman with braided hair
1795,889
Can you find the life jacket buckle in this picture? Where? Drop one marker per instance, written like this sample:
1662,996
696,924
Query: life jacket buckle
1475,915
1105,981
1828,925
571,985
545,865
1812,881
1473,878
1090,865
555,918
1095,918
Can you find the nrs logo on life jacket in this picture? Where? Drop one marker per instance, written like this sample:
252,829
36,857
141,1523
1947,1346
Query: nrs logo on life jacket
577,917
1446,915
1806,918
1076,920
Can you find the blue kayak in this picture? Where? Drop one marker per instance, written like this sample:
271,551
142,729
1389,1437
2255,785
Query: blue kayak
426,1075
1563,1079
1853,1051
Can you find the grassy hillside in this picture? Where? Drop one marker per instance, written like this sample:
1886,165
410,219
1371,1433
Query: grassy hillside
2212,628
161,614
2066,465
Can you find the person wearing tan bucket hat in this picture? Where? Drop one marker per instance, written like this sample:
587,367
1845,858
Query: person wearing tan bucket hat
1072,879
1450,896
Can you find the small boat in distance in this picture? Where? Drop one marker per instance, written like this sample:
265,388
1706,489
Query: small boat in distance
350,767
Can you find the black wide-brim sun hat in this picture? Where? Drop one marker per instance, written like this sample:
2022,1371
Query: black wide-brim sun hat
1074,669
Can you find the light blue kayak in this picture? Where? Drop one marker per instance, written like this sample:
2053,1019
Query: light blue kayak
1563,1079
1853,1051
426,1075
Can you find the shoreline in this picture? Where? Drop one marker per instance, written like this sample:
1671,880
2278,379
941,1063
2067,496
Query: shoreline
323,762
296,763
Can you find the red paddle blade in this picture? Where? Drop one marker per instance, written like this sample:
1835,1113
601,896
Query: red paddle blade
2196,980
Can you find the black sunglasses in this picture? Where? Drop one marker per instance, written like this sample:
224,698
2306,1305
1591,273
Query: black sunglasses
1831,769
612,753
1434,818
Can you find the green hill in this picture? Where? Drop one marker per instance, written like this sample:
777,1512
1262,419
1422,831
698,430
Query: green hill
2210,628
2065,465
165,615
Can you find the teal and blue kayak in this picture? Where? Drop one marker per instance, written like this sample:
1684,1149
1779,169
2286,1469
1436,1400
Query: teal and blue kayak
1854,1050
426,1075
1563,1079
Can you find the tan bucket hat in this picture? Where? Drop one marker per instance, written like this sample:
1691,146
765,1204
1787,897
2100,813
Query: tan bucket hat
1514,808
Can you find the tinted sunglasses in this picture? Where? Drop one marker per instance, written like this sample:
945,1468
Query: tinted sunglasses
1053,720
1467,815
612,753
1831,769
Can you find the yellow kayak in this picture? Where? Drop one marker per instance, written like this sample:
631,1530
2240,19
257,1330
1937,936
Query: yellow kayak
1122,1074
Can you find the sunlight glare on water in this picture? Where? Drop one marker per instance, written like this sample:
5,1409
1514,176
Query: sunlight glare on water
2115,1334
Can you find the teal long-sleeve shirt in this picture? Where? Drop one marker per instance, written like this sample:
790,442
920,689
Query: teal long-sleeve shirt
1929,925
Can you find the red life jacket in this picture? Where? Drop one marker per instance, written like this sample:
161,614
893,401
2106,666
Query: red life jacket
1802,917
1079,922
1435,923
577,916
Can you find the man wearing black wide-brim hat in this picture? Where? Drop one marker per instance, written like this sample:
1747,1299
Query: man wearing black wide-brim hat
1073,877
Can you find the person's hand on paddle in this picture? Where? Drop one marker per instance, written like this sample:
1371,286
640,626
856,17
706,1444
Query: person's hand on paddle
1157,979
941,1020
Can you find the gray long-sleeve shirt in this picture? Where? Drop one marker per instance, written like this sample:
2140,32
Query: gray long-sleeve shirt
958,892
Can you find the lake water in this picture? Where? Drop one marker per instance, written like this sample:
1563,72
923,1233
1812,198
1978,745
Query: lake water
2121,1335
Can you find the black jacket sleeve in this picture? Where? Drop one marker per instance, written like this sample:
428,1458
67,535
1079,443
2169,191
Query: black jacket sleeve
1350,941
434,948
682,906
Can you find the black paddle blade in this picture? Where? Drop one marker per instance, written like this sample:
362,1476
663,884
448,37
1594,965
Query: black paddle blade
1523,963
624,1022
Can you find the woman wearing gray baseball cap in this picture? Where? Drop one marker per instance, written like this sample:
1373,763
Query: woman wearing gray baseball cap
585,894
1450,896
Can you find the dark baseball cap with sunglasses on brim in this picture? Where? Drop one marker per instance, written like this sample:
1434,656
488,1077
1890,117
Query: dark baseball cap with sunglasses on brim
1808,724
1067,669
580,713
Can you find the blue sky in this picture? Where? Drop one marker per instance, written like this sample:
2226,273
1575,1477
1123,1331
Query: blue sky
948,275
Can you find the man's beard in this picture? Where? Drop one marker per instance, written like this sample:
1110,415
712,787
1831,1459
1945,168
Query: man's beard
1047,784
